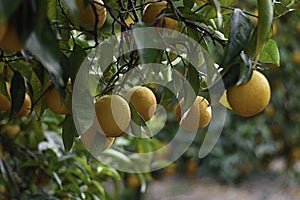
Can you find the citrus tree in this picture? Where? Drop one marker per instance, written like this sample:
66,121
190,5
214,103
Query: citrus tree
43,46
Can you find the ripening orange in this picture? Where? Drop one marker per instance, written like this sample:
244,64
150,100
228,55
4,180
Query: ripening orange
198,116
55,102
152,11
113,114
143,100
250,98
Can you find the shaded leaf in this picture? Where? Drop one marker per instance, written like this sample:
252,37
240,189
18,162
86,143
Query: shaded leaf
68,132
240,32
192,77
7,8
138,124
76,58
188,3
246,69
167,94
17,92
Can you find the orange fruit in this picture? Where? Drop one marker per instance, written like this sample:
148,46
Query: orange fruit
153,10
143,100
26,107
198,117
93,136
5,103
87,16
113,114
250,98
3,29
55,102
10,40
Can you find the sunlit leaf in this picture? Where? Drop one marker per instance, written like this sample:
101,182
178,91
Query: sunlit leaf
265,19
270,53
3,89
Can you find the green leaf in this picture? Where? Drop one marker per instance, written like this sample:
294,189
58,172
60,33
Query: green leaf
7,8
106,55
240,32
270,53
167,94
3,89
17,92
188,3
192,77
265,19
141,39
217,8
68,132
188,14
43,44
76,58
138,124
246,69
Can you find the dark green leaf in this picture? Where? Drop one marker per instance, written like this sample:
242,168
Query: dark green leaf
167,95
138,123
231,76
7,8
76,58
68,132
188,3
191,87
17,92
246,70
240,32
188,14
43,44
270,53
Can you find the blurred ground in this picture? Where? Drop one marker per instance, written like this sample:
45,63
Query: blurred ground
258,187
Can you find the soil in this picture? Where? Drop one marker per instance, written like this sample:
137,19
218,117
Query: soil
261,186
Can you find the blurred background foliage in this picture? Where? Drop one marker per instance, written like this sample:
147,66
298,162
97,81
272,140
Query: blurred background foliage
35,165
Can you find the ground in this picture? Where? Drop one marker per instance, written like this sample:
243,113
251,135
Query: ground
262,186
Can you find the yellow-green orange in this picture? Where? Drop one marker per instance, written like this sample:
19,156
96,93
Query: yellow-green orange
26,107
224,102
11,41
143,100
55,102
92,138
113,114
250,98
198,116
5,103
3,29
153,10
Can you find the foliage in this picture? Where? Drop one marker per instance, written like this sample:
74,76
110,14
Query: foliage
55,47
